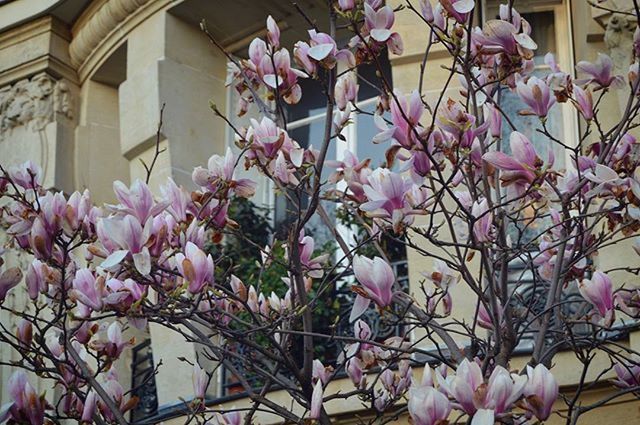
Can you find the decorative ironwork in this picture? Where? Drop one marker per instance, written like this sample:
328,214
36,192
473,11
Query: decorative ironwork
382,327
143,382
529,295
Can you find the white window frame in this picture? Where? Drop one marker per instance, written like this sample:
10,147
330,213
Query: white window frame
564,57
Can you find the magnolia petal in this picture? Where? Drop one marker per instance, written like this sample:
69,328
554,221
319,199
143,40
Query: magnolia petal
142,261
114,259
525,41
316,401
464,6
360,305
320,51
483,417
380,34
270,80
502,161
296,156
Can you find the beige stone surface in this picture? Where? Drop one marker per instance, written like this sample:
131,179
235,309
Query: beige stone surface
98,158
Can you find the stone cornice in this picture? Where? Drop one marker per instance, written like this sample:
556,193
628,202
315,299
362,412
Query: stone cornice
29,30
37,46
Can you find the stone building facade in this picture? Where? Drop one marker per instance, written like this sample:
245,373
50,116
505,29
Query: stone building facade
82,83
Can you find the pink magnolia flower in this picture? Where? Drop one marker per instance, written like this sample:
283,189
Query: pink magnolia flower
503,389
426,10
126,236
598,291
28,406
483,224
628,300
608,182
454,119
518,171
89,407
485,320
273,32
463,385
136,200
584,102
41,239
200,380
219,173
392,198
404,130
114,344
196,267
499,36
316,401
321,50
381,399
267,140
599,73
27,175
494,118
284,171
361,330
78,213
313,266
36,278
378,23
458,9
8,280
628,374
283,76
321,372
559,81
121,295
484,417
346,5
354,172
537,95
625,149
273,69
346,90
377,277
115,391
428,406
24,332
354,371
541,391
88,290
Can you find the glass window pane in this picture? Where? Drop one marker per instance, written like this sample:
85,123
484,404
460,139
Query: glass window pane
366,130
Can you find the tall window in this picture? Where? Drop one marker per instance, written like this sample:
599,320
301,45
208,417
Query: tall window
551,32
306,126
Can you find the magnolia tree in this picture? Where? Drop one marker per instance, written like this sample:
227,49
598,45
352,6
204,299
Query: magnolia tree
484,197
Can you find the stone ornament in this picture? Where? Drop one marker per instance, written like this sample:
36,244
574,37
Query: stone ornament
99,25
34,103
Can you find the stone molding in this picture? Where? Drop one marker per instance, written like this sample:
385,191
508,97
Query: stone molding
37,46
104,26
35,102
97,23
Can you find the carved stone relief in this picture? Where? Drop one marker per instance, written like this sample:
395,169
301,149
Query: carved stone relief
34,102
618,37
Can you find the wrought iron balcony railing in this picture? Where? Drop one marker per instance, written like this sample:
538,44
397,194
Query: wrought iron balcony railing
382,327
